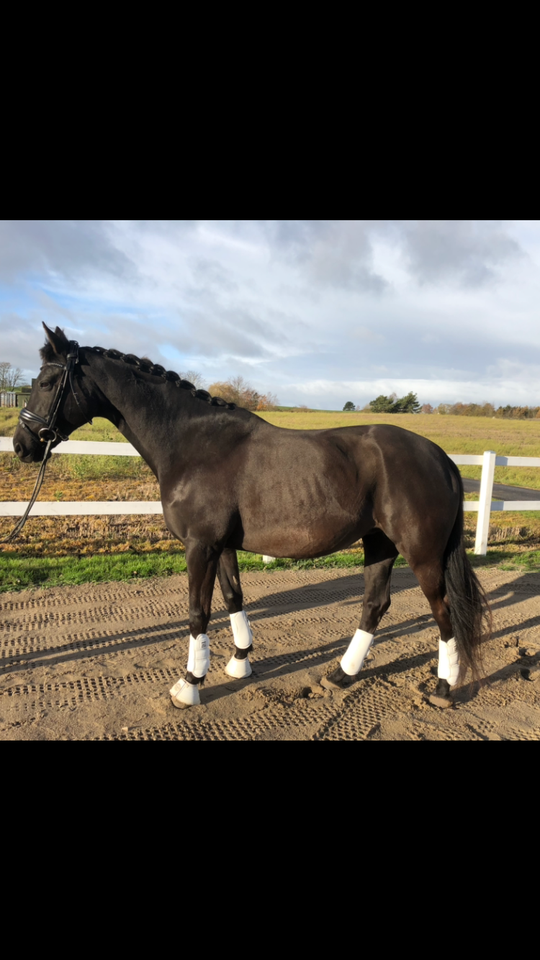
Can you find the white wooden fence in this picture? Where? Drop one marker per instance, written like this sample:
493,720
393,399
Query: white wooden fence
484,507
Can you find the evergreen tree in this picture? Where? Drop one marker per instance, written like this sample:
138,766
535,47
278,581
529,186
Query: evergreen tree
408,404
382,405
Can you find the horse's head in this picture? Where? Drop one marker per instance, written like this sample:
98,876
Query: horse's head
56,408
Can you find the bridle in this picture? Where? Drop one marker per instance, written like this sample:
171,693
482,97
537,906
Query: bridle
49,432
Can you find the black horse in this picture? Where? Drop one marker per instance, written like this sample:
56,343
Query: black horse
230,481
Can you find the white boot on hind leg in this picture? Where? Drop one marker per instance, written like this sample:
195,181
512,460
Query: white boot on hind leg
448,662
359,647
243,640
241,628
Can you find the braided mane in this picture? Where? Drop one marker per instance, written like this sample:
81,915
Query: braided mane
154,369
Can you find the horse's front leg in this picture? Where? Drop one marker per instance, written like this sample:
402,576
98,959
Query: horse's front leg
202,562
229,577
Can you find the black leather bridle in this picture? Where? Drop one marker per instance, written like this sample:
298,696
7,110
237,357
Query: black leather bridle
49,432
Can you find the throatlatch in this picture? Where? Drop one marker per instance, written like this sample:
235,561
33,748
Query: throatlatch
239,668
449,662
359,647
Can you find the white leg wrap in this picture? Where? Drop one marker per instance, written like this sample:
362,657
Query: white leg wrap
199,656
243,637
359,647
185,694
448,662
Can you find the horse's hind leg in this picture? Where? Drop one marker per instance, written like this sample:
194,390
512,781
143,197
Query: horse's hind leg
202,562
229,577
430,576
380,556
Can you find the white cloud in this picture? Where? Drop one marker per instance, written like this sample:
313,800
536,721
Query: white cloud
299,303
517,385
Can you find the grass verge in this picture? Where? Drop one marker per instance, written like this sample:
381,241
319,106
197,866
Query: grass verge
23,573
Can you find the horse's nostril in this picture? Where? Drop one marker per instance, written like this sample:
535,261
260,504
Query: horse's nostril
18,449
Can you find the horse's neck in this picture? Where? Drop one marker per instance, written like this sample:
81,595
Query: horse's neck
164,423
146,413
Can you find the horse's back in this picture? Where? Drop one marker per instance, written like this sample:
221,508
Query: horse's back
366,449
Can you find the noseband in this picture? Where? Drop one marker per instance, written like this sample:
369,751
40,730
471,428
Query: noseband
49,432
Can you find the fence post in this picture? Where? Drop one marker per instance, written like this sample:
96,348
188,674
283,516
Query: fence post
486,496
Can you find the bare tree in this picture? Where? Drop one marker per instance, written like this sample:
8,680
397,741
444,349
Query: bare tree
10,377
195,378
239,391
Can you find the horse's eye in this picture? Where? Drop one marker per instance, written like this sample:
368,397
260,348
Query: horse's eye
45,384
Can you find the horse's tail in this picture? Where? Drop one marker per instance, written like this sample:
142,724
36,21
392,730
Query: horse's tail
470,612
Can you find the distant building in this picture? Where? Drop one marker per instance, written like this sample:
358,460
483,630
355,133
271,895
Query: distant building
8,398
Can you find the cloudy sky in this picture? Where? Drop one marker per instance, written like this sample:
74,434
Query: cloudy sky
318,312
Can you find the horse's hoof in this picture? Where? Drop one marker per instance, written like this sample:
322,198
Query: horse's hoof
444,703
442,697
238,669
185,695
338,680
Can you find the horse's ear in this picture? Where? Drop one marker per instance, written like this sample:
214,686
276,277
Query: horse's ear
57,344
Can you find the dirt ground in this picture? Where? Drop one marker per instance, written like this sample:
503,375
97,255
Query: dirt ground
96,663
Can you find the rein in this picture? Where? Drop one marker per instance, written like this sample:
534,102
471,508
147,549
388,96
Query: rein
49,432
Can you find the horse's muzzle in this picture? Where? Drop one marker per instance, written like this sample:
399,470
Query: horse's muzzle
27,449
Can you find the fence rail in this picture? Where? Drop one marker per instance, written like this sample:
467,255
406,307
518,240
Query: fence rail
485,507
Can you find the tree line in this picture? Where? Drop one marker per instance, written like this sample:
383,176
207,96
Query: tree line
411,404
488,410
391,404
237,390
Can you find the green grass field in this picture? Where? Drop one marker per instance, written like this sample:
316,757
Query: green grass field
52,552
